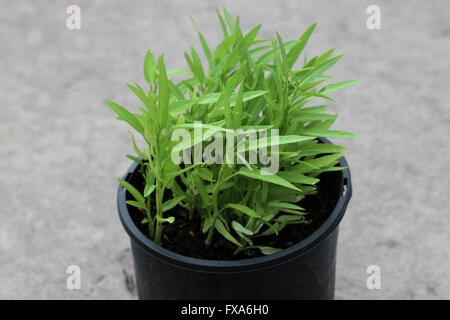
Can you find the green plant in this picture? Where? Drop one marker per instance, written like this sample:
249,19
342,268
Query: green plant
247,83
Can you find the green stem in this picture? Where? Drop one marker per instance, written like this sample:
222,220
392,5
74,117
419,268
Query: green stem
212,227
239,249
246,198
216,211
151,228
159,226
159,199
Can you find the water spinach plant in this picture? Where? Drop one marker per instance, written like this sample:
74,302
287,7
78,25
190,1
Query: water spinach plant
257,87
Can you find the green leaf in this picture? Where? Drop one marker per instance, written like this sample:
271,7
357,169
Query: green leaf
284,205
214,97
264,191
339,85
170,204
197,65
209,98
295,52
316,108
228,184
320,125
319,69
136,204
324,56
244,209
315,94
205,47
249,38
311,116
205,174
238,110
330,133
206,224
149,67
222,23
126,116
133,158
138,151
179,71
223,48
198,183
149,188
290,218
255,174
267,250
296,177
322,161
227,109
283,53
163,107
263,143
132,190
168,219
270,54
228,19
329,169
224,232
172,175
139,92
239,228
203,126
322,148
276,228
179,107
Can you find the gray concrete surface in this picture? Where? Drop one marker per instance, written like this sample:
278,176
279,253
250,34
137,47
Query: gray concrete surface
61,149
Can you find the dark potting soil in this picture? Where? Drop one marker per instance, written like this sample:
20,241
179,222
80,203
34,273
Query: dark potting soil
186,237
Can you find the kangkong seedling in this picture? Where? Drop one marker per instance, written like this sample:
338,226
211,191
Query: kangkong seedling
246,84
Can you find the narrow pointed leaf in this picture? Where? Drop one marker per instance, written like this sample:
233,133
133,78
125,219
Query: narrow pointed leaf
149,67
255,174
149,188
240,228
224,232
169,204
244,209
339,85
295,52
126,116
267,250
133,191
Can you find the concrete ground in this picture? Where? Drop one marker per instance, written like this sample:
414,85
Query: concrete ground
61,150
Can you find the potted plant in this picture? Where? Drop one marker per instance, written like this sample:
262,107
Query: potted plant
236,193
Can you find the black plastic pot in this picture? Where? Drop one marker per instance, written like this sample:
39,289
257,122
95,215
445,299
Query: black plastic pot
305,270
